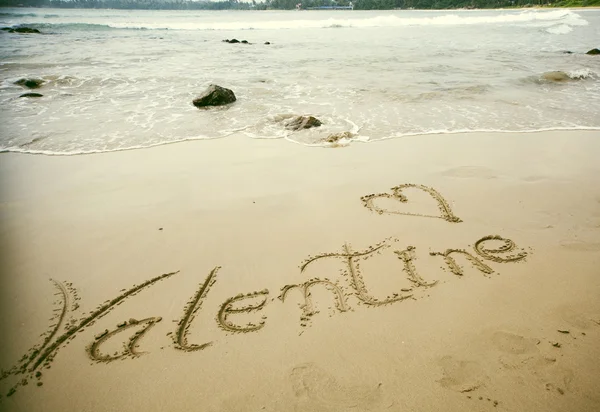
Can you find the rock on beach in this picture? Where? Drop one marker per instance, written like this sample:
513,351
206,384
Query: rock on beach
215,96
556,76
22,30
30,83
302,122
31,95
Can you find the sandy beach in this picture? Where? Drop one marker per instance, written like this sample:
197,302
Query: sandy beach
433,273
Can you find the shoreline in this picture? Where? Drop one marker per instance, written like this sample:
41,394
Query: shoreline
324,145
221,238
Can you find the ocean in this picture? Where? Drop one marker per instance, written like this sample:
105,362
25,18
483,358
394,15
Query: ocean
118,80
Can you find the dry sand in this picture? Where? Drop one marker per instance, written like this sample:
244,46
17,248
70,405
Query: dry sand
297,279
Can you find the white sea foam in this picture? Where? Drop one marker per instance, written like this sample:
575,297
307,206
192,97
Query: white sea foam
559,29
290,137
544,17
582,74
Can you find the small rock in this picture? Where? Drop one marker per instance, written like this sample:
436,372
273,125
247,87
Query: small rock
30,83
593,52
232,41
334,138
215,96
25,30
22,30
31,95
40,383
556,76
556,344
302,122
563,331
244,42
267,42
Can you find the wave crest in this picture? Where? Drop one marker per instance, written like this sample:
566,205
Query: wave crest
555,22
565,17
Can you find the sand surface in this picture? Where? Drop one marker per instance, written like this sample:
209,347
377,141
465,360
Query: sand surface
435,273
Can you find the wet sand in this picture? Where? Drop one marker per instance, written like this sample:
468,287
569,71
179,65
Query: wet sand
447,272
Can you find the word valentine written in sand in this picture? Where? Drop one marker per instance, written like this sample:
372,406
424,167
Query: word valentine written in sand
353,284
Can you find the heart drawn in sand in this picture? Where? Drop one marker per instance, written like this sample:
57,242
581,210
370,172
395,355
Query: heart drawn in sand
370,202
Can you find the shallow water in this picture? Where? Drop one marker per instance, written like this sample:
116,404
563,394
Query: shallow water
125,79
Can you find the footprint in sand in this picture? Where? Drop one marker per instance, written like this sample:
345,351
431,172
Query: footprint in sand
518,351
514,344
461,375
317,391
523,353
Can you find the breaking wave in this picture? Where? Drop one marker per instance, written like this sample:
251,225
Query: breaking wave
566,17
555,22
559,29
582,74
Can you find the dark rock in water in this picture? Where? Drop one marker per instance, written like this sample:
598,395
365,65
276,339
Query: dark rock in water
31,95
593,52
236,41
30,83
302,122
26,30
267,42
215,96
556,76
567,52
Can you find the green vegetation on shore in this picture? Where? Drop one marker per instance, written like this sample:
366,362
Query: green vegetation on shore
291,4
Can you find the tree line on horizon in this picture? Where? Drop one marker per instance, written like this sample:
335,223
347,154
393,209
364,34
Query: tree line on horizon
291,4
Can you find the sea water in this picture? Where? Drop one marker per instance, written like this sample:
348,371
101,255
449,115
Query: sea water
119,79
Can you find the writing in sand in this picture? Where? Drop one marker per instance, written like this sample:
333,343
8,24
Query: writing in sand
353,284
